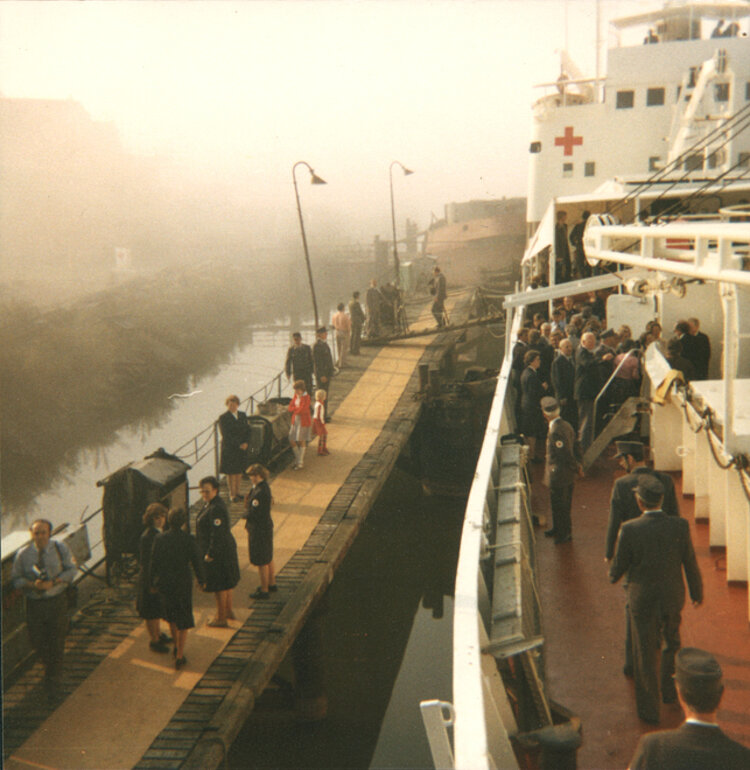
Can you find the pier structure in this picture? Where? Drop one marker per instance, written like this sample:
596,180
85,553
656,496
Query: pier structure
126,706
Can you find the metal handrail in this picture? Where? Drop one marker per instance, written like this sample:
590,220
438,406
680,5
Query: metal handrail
634,351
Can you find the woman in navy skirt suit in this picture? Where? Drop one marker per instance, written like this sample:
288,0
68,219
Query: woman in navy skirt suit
173,553
219,550
147,602
259,526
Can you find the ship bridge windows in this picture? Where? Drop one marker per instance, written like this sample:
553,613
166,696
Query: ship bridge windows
589,168
654,97
694,162
654,163
747,91
625,100
567,170
535,147
744,159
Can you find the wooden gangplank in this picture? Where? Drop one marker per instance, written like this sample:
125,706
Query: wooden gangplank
125,709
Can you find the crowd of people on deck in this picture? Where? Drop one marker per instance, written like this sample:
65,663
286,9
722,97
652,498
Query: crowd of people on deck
563,368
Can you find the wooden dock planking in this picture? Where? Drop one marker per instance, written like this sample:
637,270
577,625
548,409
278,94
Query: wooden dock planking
219,699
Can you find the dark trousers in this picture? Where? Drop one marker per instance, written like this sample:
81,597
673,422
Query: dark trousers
650,631
438,312
586,423
47,621
354,339
307,378
560,500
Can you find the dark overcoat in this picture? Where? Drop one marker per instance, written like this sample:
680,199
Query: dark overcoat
259,524
234,431
215,539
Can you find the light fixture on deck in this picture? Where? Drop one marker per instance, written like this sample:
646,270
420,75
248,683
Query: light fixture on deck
314,179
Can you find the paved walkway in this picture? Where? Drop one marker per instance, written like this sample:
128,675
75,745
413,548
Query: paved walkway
115,715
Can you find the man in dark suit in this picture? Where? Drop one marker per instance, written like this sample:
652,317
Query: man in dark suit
586,386
699,741
563,464
563,379
323,361
532,423
299,362
623,507
652,552
702,348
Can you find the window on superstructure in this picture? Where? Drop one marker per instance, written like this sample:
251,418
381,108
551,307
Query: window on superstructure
679,91
744,159
625,100
567,170
589,168
747,91
721,92
654,97
718,158
535,147
654,163
694,162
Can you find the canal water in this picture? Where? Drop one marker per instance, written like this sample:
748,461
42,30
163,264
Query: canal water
386,628
246,369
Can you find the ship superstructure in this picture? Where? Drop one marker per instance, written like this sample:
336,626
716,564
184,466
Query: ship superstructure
669,84
658,153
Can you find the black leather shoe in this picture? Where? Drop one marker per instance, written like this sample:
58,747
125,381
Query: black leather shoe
273,588
628,671
158,646
550,533
258,594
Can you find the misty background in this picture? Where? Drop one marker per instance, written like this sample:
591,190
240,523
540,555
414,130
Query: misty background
147,212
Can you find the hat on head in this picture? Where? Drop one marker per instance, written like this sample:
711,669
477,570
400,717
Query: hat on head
549,404
697,672
321,330
649,489
632,448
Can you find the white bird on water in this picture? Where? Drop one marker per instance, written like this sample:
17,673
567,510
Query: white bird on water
185,395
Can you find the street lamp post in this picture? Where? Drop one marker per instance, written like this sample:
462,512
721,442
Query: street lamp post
314,179
396,264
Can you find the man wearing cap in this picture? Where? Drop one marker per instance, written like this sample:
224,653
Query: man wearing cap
563,377
623,507
652,552
323,361
699,741
563,462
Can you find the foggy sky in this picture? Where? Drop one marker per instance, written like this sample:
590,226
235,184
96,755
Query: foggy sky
239,91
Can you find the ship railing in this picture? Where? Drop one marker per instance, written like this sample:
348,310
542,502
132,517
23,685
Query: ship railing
706,251
207,442
480,716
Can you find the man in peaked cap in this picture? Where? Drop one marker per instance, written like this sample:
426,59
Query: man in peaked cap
564,459
652,552
699,741
623,507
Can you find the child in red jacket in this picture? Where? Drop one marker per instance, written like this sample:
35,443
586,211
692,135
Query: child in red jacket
299,434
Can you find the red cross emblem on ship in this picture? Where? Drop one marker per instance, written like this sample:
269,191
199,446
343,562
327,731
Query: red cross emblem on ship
568,140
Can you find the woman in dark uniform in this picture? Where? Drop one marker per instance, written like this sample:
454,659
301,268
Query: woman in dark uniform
173,553
218,550
147,601
259,526
235,434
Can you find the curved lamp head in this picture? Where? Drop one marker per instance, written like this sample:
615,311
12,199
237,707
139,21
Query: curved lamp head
407,171
315,179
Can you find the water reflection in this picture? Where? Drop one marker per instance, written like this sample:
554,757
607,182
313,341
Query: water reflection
386,641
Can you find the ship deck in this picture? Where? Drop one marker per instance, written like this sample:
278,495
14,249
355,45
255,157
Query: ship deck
126,706
584,627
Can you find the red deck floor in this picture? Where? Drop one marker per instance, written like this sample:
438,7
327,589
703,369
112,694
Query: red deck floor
584,624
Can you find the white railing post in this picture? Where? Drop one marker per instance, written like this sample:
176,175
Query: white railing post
436,725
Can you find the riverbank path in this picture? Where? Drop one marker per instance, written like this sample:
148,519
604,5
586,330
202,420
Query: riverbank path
134,709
